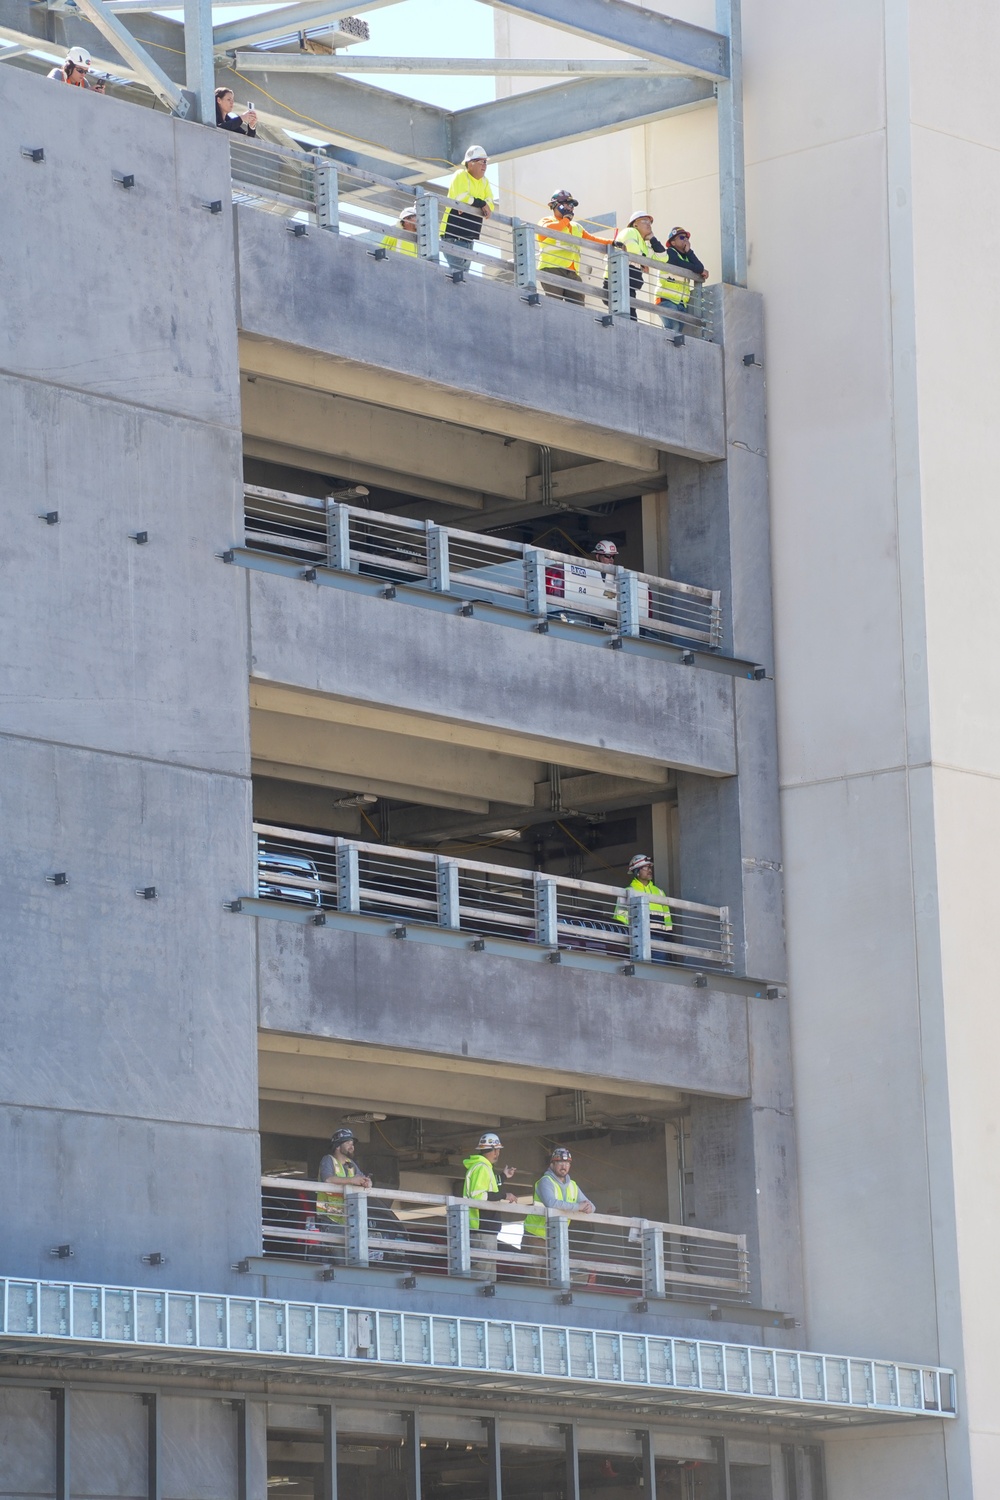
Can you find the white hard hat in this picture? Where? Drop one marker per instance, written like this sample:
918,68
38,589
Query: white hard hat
490,1141
637,861
640,213
475,153
408,213
80,56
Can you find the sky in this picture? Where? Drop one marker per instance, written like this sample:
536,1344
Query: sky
431,28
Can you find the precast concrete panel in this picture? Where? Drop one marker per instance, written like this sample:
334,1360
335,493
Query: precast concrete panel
374,651
113,1002
330,983
327,295
116,1189
130,647
127,292
27,1444
109,1446
198,1449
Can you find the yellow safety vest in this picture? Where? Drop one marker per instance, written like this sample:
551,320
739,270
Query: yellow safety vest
631,240
480,1179
675,289
464,187
331,1205
402,247
556,255
660,908
535,1223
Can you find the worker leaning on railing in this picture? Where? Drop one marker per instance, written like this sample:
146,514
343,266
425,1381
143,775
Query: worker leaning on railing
469,185
674,292
556,258
640,867
338,1165
555,1190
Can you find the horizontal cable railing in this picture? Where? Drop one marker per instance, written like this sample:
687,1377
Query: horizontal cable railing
327,873
446,560
333,1221
531,258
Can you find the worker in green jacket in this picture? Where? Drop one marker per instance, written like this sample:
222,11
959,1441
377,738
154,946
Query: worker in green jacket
483,1183
640,867
407,222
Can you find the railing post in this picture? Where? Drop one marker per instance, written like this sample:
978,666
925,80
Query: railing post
546,911
449,914
726,938
338,536
628,602
715,625
525,272
256,864
557,1250
428,226
618,284
327,194
459,1252
638,929
743,1264
356,1226
654,1282
534,582
438,569
348,878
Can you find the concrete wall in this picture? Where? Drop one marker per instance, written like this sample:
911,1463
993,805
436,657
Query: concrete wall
476,338
538,693
330,983
128,1075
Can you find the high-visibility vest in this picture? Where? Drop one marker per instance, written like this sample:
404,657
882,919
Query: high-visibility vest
466,188
566,1192
480,1179
402,247
556,255
631,240
675,289
331,1205
660,908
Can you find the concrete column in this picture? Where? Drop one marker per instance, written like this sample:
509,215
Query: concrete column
730,836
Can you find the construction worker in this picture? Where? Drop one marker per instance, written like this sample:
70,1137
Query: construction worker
556,258
556,1190
637,239
674,292
606,557
226,117
469,185
482,1182
640,867
407,222
75,68
335,1167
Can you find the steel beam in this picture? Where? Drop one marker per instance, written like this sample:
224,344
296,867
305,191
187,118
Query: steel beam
33,26
631,28
575,111
494,1480
154,1480
328,1484
271,23
572,1483
411,1455
732,183
60,1396
199,59
648,1464
459,67
385,126
135,54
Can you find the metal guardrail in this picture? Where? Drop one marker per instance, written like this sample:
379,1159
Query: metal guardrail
430,1233
707,1373
357,204
325,872
471,565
